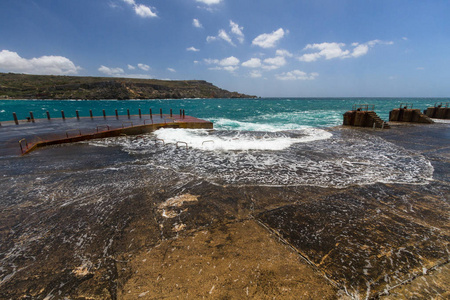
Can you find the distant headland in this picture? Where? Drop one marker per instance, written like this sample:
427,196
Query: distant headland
23,86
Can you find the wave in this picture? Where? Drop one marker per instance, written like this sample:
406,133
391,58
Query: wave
240,140
289,158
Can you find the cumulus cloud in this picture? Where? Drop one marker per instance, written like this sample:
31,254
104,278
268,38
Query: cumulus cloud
196,23
285,53
224,36
230,64
111,71
274,63
337,50
45,65
171,70
119,72
296,75
209,2
252,63
144,67
193,49
255,74
237,30
141,9
229,61
269,40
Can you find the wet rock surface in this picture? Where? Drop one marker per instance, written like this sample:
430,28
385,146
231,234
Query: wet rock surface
81,222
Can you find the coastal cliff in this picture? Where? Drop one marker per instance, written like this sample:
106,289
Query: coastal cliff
22,86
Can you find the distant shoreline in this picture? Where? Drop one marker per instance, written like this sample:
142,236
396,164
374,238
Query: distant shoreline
50,87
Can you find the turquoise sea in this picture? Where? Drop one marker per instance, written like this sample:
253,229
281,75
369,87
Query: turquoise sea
264,114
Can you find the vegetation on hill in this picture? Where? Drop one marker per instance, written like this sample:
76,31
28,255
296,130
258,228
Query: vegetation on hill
22,86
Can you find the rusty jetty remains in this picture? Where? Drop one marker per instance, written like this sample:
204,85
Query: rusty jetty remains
20,137
406,113
363,115
439,111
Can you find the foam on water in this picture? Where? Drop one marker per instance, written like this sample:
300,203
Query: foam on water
280,158
240,140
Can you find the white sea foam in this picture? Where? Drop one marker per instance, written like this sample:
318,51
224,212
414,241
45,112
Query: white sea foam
227,124
305,157
238,140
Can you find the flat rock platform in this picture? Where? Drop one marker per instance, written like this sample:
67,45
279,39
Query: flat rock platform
28,135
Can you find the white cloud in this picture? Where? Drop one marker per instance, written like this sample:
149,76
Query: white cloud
230,68
255,74
229,61
237,30
192,49
404,38
197,23
252,63
130,67
274,63
209,2
144,67
111,71
224,36
285,53
171,70
269,40
211,61
296,75
326,50
360,50
44,65
141,9
230,64
210,38
144,11
337,50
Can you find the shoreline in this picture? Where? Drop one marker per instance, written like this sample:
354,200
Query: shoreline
96,222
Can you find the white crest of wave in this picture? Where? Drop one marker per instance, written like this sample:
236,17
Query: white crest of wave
201,139
227,124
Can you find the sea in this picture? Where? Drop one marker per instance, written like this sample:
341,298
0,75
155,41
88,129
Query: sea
68,209
266,141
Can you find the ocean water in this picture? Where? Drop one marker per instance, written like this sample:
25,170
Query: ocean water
266,114
271,142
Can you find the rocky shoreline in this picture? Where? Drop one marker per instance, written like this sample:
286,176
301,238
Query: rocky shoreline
89,229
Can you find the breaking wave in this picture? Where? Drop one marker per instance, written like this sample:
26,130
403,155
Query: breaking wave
299,157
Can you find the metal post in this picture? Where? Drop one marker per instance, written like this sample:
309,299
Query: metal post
171,113
48,115
15,118
78,115
90,113
117,115
104,114
31,116
128,113
183,113
160,112
140,115
151,116
63,116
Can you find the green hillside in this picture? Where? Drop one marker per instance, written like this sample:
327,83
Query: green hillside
21,86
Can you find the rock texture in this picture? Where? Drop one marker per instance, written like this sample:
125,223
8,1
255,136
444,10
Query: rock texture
21,86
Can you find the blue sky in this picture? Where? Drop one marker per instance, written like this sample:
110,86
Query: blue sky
268,48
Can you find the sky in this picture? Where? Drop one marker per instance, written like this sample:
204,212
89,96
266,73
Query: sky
267,48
